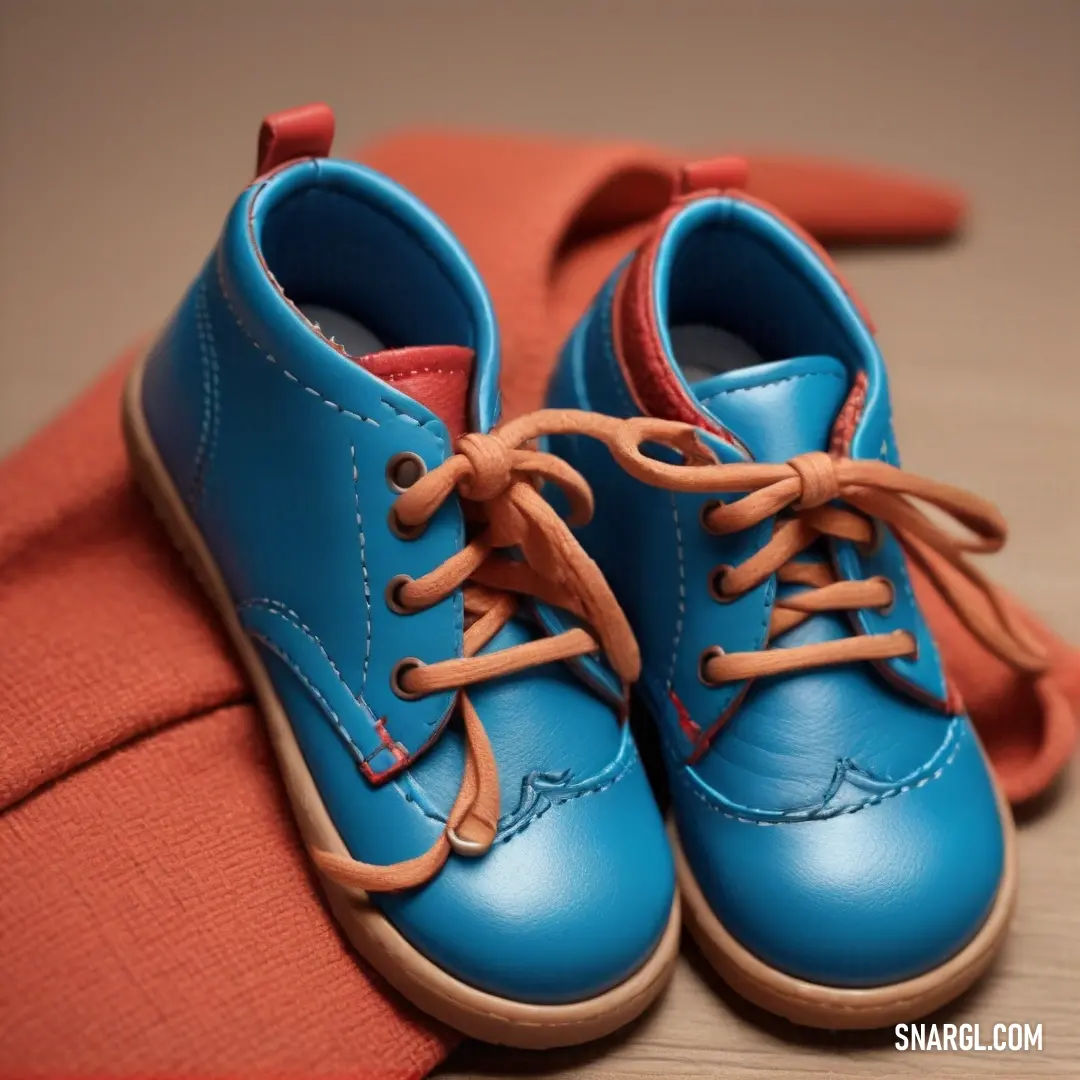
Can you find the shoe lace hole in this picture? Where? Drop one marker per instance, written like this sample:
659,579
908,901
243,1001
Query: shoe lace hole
706,509
400,529
887,607
703,661
716,584
877,541
393,594
397,676
403,470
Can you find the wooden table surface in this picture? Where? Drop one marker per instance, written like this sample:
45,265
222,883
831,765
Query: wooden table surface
126,128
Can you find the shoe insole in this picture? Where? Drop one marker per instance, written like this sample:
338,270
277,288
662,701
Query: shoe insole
351,334
704,351
701,351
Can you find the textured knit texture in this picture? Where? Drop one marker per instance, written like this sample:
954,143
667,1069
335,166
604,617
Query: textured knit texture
159,915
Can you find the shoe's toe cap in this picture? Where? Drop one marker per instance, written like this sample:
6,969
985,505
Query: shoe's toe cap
888,889
556,912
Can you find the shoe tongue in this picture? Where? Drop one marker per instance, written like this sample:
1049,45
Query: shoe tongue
437,376
779,409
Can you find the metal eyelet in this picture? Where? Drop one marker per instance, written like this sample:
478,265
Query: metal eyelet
401,530
716,579
471,849
703,659
403,470
877,542
393,590
706,509
401,668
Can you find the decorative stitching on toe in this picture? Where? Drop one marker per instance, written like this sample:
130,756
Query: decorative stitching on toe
543,802
536,799
846,770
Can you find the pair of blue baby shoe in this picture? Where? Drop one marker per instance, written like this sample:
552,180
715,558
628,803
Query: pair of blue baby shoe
444,618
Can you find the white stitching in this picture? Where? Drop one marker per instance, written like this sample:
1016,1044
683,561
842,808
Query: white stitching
283,655
873,800
364,569
423,371
773,382
287,613
680,618
281,367
431,424
204,429
208,362
215,419
505,838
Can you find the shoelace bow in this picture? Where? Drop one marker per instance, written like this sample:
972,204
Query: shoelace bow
497,478
801,493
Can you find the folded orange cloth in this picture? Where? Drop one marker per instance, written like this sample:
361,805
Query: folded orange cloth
159,915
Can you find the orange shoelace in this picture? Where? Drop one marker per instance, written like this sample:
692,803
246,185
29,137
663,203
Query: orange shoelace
497,478
801,494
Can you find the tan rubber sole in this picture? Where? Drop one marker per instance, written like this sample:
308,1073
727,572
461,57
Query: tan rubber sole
845,1008
476,1013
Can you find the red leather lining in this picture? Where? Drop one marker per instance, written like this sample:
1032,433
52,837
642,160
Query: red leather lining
437,376
847,422
655,387
638,348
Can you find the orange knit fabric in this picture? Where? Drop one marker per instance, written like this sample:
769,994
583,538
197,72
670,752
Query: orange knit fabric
159,915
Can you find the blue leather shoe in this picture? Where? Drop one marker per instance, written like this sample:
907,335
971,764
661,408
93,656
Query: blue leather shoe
315,426
844,857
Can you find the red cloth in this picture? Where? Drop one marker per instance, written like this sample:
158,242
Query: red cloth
159,915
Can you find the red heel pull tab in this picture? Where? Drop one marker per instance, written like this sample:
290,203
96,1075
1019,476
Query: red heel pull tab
305,131
713,174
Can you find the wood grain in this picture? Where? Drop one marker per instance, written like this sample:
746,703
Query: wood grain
126,128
